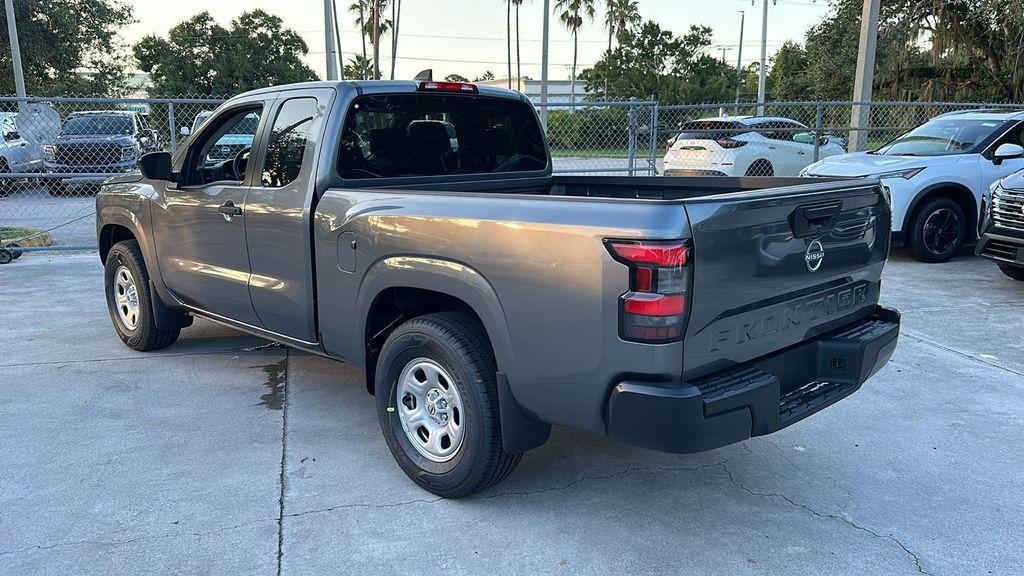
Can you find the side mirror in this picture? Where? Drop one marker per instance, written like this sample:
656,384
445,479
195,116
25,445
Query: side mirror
804,138
184,131
156,165
1007,152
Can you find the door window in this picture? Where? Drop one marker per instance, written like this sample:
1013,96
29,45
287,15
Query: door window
222,150
288,142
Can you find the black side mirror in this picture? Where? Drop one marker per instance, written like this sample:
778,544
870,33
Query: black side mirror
156,166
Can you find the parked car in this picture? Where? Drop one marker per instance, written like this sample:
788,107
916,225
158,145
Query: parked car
93,145
745,146
1002,225
228,145
17,154
487,299
936,174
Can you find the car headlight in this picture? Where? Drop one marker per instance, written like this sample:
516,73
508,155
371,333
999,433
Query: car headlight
128,153
904,174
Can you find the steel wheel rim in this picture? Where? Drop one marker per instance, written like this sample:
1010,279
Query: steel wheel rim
126,298
941,230
430,410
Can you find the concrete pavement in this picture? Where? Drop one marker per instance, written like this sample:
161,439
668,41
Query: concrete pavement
220,455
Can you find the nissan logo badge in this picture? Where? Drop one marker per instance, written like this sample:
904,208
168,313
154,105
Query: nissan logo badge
814,256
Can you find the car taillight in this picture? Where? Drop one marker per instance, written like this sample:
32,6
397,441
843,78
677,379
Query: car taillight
730,143
431,86
654,308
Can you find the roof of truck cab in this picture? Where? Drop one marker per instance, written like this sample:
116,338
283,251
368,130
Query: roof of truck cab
377,86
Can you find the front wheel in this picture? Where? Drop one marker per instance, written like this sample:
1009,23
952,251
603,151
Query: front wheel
128,299
1015,272
937,231
437,403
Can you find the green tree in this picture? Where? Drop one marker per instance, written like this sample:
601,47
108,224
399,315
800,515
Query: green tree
200,57
359,67
373,24
456,78
573,12
787,78
620,15
650,62
68,47
486,76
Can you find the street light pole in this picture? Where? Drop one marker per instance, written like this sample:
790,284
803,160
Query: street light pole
861,113
764,60
544,66
12,31
739,62
329,40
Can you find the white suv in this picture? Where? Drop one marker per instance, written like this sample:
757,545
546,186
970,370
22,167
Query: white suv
745,146
936,175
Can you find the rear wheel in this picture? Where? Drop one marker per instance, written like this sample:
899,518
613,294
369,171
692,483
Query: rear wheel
129,301
1015,272
937,230
437,403
760,168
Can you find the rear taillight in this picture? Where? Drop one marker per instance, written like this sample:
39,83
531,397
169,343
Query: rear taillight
654,309
730,143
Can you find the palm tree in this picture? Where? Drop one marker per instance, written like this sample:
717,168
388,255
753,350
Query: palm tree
573,12
620,15
519,64
373,28
396,15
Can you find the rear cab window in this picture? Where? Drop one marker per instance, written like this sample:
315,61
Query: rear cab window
411,135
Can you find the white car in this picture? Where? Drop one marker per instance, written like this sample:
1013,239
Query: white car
936,175
17,154
745,146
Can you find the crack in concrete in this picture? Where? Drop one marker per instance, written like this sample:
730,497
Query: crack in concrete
826,516
910,334
169,535
284,453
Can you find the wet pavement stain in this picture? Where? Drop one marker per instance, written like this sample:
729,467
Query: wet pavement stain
277,375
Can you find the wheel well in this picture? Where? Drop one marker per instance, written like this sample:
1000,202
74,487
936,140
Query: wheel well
962,196
396,305
112,234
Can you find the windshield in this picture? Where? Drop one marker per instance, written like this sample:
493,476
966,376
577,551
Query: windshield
98,125
438,134
941,137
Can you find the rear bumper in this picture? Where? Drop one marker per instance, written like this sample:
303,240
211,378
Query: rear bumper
756,398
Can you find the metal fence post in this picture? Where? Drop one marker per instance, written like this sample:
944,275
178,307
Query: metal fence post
632,135
170,123
819,113
653,160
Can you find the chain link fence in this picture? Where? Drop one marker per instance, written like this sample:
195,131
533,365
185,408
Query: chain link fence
54,152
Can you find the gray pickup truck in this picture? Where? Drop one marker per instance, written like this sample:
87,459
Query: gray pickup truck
416,229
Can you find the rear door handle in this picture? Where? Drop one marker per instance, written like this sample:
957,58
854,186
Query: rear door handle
229,210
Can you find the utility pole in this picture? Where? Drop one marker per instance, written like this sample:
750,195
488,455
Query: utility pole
337,37
739,63
12,32
762,81
863,81
332,62
544,66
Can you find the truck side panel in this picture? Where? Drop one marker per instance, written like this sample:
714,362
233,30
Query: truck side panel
543,259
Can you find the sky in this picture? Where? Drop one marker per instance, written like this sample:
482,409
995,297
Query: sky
467,37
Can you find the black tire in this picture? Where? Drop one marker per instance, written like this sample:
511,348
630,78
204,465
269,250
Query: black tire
6,256
144,335
937,231
14,250
761,168
458,344
1015,272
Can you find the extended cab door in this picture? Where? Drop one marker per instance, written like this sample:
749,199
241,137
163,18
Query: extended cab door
278,213
199,221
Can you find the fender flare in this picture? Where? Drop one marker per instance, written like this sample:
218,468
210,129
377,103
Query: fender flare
972,217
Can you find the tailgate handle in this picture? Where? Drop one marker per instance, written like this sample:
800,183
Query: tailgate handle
815,220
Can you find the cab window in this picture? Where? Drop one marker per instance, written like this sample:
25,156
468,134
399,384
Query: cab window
289,142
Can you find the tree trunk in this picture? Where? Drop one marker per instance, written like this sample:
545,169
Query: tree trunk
611,32
575,53
376,39
362,34
508,37
519,62
396,15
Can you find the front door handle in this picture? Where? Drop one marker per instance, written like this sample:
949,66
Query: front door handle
229,210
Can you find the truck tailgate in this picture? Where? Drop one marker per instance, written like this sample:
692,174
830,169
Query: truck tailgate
775,267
